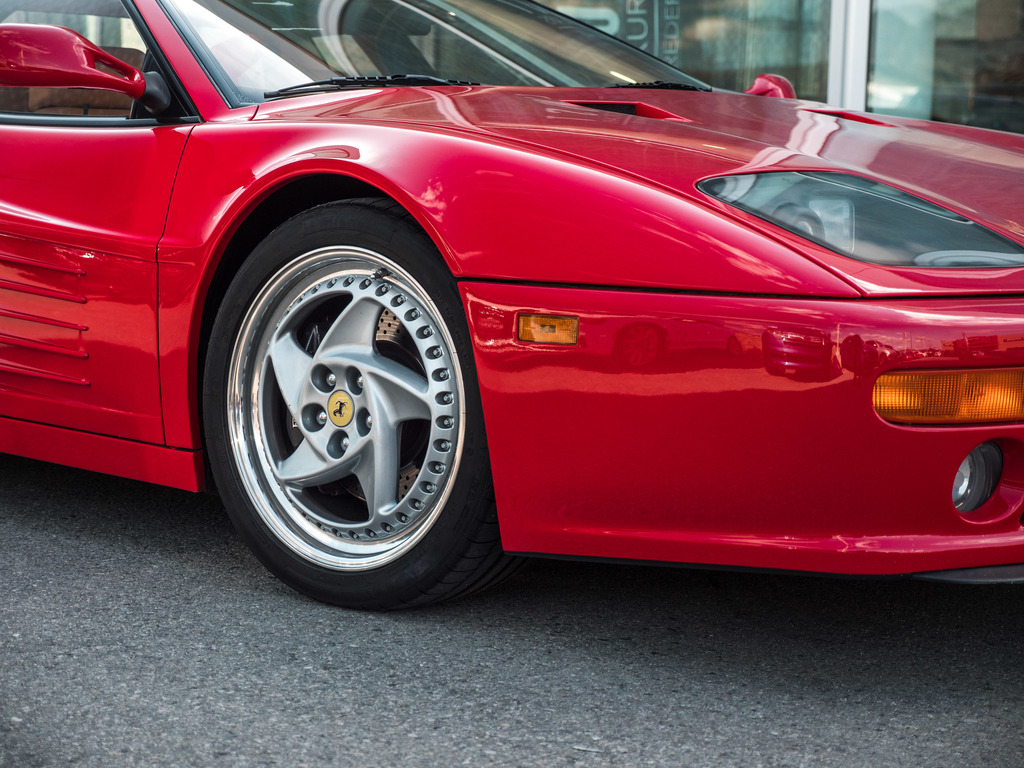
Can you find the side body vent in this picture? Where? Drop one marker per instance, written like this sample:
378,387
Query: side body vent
78,339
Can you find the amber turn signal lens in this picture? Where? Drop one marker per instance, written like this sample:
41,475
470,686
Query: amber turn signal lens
549,329
950,397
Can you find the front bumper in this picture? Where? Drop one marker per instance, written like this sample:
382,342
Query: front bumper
674,432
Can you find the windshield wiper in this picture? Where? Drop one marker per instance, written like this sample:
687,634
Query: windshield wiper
662,85
367,81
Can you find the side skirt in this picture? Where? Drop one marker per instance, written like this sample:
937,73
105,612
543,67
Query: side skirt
158,464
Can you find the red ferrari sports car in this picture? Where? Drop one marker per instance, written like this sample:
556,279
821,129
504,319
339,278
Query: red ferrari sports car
424,286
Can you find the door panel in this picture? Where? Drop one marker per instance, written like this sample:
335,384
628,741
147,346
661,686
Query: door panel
81,211
84,189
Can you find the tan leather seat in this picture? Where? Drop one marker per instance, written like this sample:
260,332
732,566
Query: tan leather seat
13,99
86,101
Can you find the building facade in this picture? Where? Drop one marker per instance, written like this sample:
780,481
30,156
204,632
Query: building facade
959,61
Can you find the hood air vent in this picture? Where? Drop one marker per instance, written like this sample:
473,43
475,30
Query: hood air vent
635,108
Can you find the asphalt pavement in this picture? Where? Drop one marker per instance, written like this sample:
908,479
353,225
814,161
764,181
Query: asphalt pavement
136,630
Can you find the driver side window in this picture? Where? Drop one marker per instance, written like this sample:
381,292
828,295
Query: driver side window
108,26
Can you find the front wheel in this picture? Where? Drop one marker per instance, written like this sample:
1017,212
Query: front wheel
342,415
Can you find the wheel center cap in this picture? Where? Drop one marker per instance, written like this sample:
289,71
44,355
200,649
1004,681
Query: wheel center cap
340,408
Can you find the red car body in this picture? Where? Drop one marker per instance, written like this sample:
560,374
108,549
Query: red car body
740,433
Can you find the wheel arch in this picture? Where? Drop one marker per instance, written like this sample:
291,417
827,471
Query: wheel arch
277,205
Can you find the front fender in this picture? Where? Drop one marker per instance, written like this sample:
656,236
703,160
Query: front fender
495,210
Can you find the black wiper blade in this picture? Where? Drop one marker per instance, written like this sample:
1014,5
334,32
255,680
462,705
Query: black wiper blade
363,81
663,85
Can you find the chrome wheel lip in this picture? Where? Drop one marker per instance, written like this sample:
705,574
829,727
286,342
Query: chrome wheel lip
300,526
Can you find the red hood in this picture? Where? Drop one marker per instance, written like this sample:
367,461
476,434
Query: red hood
674,139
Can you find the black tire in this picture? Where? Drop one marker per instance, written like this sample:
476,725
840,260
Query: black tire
342,413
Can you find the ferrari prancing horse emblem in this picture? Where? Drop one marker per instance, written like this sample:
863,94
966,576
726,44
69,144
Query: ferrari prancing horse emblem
340,409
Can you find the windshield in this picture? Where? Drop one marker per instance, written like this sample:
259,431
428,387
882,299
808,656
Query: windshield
252,47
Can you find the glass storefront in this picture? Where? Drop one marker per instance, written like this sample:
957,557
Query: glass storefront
723,42
959,61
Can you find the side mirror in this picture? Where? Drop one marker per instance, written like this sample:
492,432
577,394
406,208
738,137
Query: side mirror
43,56
772,85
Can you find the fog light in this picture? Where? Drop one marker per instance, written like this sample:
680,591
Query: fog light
977,477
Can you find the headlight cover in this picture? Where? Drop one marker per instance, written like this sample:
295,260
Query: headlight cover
865,220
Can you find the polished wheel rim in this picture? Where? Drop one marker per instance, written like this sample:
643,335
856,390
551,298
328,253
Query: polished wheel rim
346,408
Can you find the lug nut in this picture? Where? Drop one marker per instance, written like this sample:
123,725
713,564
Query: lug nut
322,417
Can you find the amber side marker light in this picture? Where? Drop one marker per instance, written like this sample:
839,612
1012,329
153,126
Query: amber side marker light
549,329
950,397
